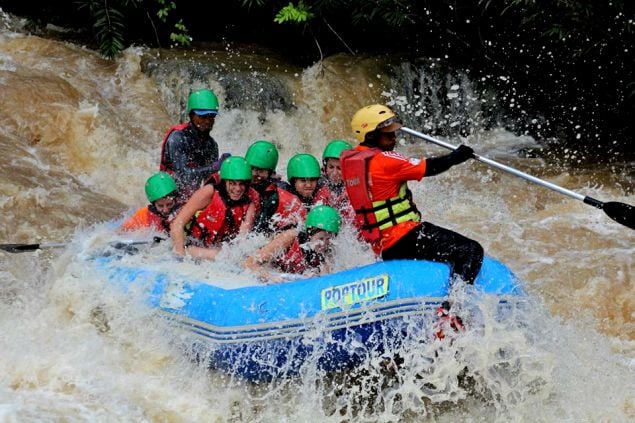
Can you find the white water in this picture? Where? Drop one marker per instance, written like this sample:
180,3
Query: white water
78,136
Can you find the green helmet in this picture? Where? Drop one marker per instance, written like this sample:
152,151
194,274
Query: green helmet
334,149
235,168
262,154
202,100
303,166
159,185
323,217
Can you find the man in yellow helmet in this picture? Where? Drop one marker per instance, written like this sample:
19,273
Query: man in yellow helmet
375,177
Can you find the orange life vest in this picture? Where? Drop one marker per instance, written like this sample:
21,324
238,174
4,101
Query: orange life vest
372,217
145,218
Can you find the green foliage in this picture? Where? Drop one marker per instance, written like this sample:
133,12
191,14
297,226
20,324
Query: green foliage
181,36
109,20
108,25
165,9
293,14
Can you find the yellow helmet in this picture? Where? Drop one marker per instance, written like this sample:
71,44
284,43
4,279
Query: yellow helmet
371,118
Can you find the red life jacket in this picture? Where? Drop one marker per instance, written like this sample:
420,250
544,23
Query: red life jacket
447,321
323,196
339,200
289,211
354,173
217,223
295,261
166,166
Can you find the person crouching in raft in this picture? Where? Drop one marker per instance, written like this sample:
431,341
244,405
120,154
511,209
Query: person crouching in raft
305,252
376,181
162,193
217,213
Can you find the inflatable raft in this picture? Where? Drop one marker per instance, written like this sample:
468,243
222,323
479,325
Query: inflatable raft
269,331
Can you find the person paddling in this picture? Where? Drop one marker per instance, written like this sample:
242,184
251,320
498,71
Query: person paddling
162,193
304,251
188,151
376,181
279,209
217,213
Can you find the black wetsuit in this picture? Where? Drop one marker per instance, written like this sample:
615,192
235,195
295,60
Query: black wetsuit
190,154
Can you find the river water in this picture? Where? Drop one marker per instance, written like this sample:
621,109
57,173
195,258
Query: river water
78,137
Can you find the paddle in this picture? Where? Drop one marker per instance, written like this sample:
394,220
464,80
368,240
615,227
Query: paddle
21,248
620,212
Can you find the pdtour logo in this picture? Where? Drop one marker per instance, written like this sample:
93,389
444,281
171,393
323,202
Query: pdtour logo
354,292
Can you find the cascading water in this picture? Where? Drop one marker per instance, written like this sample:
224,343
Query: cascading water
79,136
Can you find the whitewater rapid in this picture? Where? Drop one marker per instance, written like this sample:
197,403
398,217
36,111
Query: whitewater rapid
78,137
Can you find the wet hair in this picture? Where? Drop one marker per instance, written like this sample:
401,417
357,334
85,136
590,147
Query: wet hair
305,235
221,187
371,139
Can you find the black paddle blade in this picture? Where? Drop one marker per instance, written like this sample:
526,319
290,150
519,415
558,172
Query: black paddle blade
620,212
19,248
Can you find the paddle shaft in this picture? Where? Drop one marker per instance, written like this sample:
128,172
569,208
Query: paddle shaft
21,248
506,168
620,212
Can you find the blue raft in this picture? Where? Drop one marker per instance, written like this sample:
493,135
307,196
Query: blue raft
269,331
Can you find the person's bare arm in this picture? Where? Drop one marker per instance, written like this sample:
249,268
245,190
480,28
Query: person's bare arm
199,200
248,222
203,253
269,252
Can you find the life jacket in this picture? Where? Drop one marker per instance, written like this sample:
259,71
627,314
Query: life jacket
297,260
447,321
166,165
217,222
373,216
280,209
147,217
339,199
321,196
289,212
343,204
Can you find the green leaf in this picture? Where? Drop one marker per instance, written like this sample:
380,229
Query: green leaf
293,14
